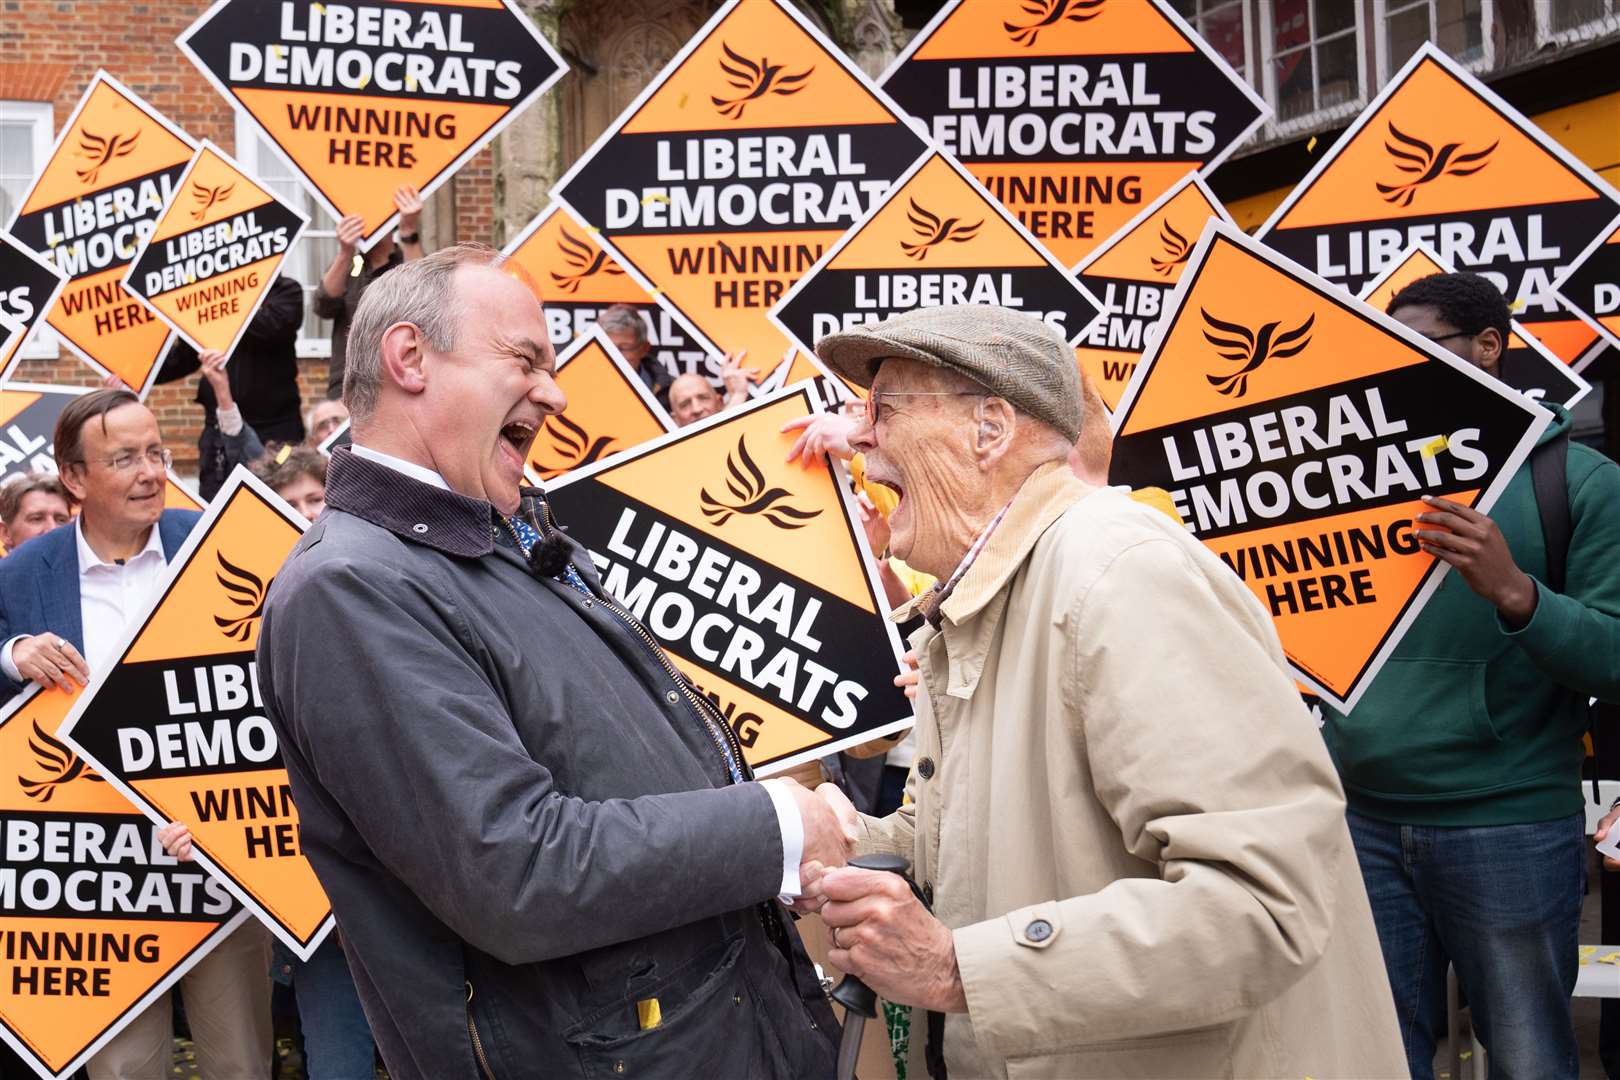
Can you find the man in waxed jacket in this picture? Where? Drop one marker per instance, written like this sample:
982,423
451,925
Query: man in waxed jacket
545,852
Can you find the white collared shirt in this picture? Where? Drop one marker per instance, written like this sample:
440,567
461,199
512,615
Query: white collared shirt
787,812
111,594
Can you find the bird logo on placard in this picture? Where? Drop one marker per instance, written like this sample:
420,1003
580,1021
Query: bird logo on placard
103,149
1176,249
747,485
578,254
573,444
1413,155
932,231
244,589
208,197
1242,345
1049,13
755,81
54,757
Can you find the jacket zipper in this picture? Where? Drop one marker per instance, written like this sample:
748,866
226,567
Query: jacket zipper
477,1043
730,737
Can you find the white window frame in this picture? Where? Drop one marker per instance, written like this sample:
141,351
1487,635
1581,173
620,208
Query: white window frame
248,144
1545,35
1251,62
1487,22
1268,58
42,343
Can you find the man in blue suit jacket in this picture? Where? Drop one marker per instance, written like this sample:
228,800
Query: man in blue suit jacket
103,567
66,600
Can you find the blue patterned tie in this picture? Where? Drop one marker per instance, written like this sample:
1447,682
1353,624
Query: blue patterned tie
527,537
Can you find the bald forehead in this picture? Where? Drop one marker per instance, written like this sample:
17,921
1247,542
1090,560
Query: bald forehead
689,384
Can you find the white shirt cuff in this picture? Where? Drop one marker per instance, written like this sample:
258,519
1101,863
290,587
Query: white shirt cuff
792,826
230,420
16,676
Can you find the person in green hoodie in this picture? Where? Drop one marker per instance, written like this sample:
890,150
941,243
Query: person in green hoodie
1462,763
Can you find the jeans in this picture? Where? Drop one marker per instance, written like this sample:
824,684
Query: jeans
337,1038
1502,903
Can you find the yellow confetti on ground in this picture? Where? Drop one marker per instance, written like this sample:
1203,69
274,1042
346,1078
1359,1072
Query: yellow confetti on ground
1310,147
1435,446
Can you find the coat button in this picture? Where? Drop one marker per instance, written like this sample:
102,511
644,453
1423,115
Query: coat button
286,969
419,528
925,768
673,696
1038,930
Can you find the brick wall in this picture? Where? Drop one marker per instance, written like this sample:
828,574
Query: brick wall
50,50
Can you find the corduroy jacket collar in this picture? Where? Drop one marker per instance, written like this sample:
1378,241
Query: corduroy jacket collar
414,511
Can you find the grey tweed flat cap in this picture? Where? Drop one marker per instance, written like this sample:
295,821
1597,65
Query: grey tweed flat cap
1011,354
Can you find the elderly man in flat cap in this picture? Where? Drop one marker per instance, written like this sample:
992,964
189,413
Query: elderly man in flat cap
1128,827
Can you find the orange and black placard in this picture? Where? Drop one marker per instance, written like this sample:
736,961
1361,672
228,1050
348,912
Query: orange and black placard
1133,274
1297,431
610,409
114,167
1438,158
832,388
96,921
1074,113
28,288
209,262
1593,286
754,149
178,726
28,415
936,238
576,280
177,495
1526,364
360,99
752,575
340,437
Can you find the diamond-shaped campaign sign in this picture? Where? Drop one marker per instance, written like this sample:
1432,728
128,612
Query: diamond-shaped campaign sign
1438,158
178,726
1526,364
576,280
28,288
609,411
737,167
1593,286
210,260
937,238
96,921
1297,431
360,99
1133,274
111,173
28,415
1074,113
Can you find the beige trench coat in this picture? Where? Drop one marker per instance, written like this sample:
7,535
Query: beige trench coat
1128,818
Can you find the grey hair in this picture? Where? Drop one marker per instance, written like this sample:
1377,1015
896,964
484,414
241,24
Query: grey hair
421,293
623,319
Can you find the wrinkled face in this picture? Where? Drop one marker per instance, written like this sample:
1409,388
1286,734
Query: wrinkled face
325,418
691,398
484,400
306,495
923,448
37,512
1483,350
119,484
631,346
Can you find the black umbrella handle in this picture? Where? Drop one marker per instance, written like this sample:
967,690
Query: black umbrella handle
855,996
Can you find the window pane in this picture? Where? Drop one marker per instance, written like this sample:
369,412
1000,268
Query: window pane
1406,31
1294,88
1460,33
1334,15
16,149
1337,80
1290,27
1222,26
1569,14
